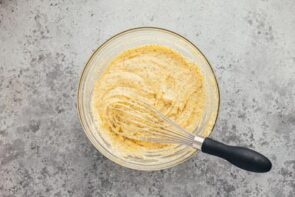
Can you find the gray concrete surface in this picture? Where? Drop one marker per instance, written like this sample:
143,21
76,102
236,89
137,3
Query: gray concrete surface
44,46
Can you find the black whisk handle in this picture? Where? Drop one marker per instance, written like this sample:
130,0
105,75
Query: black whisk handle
241,157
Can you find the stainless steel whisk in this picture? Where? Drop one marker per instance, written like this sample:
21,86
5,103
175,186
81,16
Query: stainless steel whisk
138,120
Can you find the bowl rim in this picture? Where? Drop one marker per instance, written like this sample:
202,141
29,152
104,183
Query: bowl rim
79,94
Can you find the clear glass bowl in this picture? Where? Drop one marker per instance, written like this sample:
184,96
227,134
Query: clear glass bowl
102,57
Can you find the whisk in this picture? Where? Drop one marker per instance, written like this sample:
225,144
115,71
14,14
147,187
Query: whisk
138,120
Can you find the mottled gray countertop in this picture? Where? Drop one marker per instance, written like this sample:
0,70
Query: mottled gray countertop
44,46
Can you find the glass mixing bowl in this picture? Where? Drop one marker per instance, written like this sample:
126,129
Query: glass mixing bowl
154,159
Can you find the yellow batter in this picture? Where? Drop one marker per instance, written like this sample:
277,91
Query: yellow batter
160,76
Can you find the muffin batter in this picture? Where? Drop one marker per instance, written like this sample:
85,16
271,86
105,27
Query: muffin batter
158,75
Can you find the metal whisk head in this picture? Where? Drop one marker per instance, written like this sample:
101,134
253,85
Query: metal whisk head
138,120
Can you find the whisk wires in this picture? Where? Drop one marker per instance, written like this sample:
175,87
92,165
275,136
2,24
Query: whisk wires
139,120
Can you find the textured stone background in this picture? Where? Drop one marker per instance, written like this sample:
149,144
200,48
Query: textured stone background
44,46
